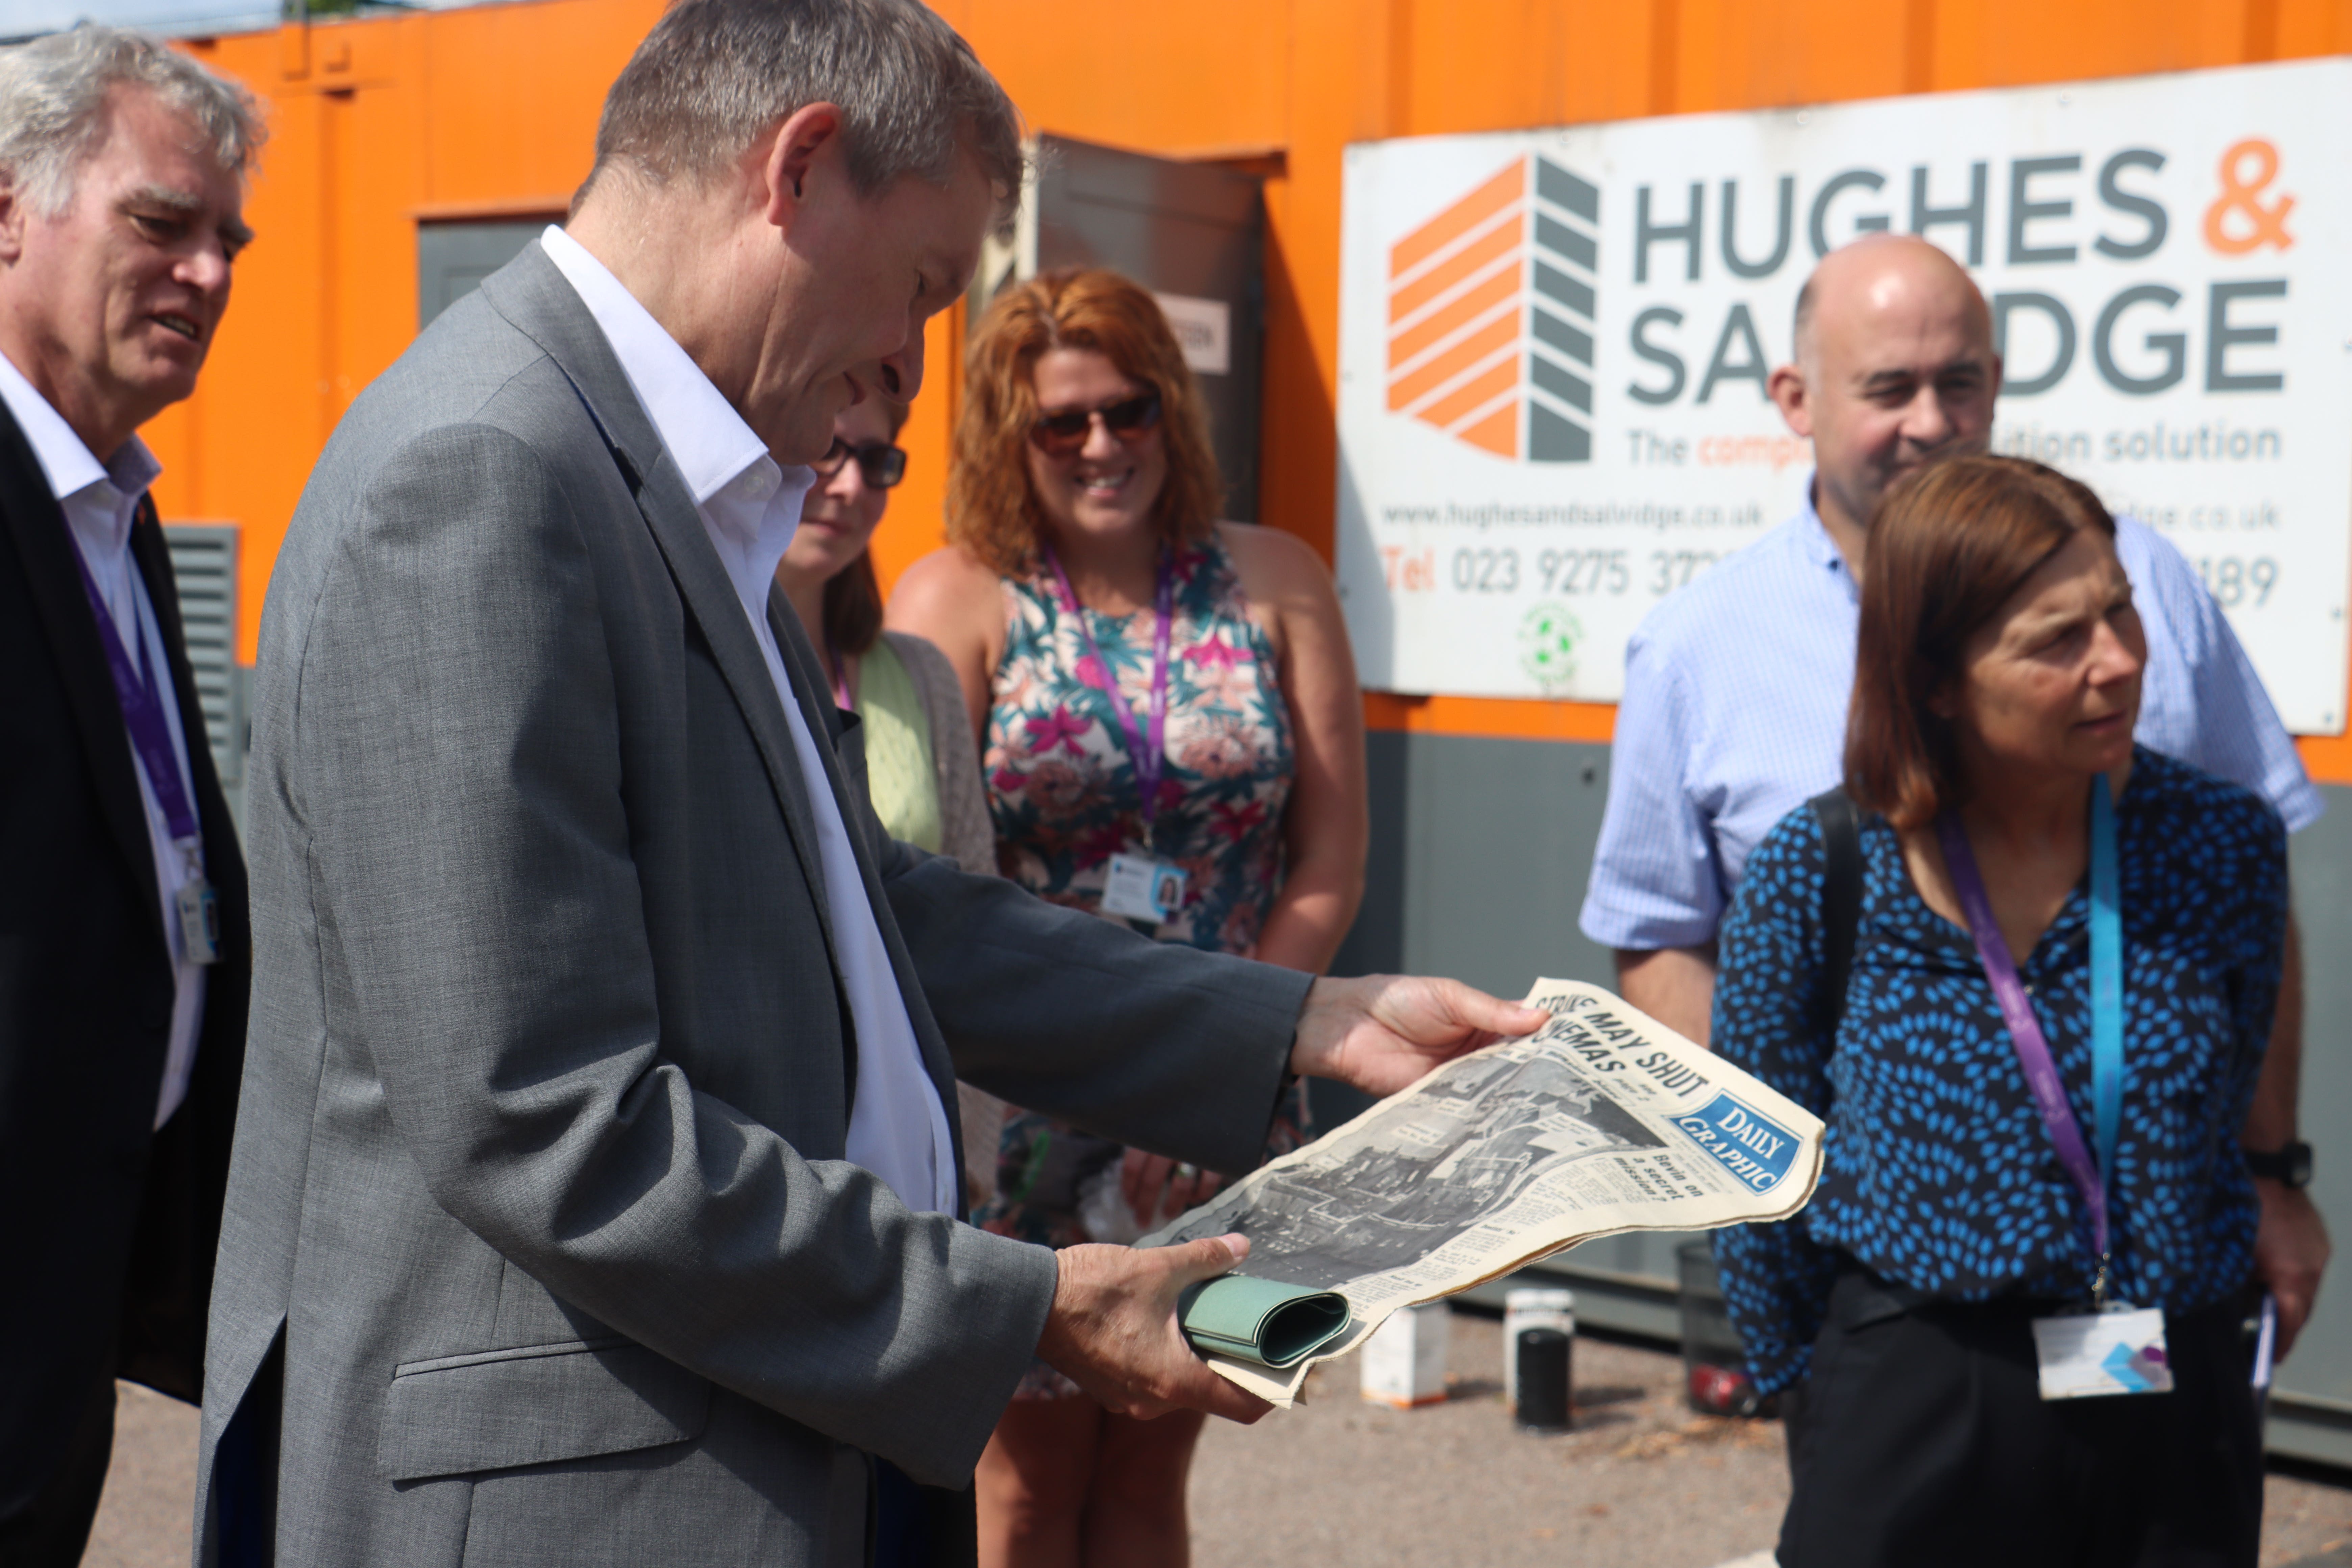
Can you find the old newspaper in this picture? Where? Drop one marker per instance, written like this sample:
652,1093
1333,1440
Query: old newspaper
1604,1120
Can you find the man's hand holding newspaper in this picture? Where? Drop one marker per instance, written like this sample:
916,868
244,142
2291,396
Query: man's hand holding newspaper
1600,1122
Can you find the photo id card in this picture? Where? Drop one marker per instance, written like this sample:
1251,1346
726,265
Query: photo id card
1143,889
2089,1354
198,907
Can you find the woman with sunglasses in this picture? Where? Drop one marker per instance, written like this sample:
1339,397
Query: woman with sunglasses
922,774
1172,737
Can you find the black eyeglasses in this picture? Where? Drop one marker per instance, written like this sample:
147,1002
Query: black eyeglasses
882,464
1059,434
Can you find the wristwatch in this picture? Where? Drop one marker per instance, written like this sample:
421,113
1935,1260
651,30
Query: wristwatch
2289,1165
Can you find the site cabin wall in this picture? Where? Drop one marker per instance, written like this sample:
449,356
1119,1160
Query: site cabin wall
1484,810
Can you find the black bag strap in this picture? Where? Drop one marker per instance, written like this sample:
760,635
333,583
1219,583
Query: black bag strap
1840,899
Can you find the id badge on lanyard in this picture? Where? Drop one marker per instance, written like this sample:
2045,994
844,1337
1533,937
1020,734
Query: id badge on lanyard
1139,887
198,907
1138,884
2115,1348
194,905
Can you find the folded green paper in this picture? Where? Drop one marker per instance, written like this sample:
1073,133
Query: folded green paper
1261,1320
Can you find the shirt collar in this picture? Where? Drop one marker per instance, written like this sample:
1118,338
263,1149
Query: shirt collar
1821,550
749,505
65,461
716,453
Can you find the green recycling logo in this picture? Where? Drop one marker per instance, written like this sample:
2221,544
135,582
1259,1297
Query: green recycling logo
1549,636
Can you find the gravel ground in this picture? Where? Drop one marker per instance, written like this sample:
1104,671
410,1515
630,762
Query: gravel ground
1639,1483
150,1489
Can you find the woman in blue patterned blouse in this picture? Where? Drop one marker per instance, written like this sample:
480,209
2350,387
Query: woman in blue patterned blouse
1999,677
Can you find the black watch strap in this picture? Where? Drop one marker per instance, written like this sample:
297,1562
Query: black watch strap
2289,1166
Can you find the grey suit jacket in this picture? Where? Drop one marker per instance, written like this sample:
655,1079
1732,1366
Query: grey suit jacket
538,1186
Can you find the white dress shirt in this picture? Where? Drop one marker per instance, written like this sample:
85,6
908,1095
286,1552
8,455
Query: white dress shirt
750,507
100,500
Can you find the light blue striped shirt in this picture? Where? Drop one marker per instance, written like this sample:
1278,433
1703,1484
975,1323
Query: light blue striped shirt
1734,707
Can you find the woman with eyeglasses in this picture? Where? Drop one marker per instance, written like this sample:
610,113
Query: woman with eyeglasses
923,772
1172,737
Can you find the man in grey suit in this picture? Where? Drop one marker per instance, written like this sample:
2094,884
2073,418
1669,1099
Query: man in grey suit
594,1192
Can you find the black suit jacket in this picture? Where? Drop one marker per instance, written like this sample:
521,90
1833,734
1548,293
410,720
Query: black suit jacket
107,1227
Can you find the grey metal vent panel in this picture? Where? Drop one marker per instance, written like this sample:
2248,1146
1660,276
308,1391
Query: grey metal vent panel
452,259
204,567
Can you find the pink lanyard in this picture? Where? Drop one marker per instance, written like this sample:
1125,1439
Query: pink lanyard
1147,751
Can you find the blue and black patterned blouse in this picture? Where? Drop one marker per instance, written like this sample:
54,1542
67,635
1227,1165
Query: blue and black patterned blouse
1936,1171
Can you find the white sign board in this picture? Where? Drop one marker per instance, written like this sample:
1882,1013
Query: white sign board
1554,346
1204,331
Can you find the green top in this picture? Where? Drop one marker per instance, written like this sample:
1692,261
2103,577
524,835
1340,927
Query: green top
901,773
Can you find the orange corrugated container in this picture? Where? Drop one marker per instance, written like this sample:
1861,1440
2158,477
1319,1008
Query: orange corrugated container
383,123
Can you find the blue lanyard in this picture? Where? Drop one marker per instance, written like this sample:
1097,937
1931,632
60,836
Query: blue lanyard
2107,984
2093,1179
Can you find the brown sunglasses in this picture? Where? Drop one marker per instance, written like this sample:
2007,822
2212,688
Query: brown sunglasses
1060,435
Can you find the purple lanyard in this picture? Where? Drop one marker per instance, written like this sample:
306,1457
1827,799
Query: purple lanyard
2025,1029
142,715
1148,751
841,698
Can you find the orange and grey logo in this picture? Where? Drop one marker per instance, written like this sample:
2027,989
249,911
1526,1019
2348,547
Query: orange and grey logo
1491,315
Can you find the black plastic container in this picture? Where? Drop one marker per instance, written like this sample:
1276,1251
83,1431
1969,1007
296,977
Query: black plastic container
1543,1380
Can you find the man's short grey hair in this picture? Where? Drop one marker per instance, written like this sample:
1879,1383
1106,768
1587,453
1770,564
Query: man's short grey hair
715,74
52,107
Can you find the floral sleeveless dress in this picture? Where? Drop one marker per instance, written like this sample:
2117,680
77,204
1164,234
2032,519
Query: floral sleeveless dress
1061,789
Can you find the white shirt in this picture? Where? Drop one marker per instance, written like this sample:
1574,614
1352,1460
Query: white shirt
750,507
100,500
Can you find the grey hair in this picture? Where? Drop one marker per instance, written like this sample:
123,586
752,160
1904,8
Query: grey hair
52,107
714,74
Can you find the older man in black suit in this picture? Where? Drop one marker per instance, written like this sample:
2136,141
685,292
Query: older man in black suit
123,955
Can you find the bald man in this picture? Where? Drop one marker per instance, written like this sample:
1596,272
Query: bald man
1736,688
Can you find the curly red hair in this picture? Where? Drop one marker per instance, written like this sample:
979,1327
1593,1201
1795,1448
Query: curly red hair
993,509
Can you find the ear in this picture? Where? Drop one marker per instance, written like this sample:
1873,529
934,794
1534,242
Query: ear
809,139
1786,389
13,216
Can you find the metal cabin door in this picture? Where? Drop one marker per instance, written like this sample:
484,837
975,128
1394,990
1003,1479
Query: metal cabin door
1193,234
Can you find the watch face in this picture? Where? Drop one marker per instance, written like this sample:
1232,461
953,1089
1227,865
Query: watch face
2289,1166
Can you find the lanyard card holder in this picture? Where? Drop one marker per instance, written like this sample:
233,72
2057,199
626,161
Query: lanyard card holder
1139,887
2086,1355
2115,1348
198,907
141,697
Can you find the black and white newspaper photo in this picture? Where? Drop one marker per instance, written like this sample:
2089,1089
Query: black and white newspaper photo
1604,1120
